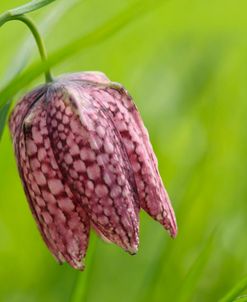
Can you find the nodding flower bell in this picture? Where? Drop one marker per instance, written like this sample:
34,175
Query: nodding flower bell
85,160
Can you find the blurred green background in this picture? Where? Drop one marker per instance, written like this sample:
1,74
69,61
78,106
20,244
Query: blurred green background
185,63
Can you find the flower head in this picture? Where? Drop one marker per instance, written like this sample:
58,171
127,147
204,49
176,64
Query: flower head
85,160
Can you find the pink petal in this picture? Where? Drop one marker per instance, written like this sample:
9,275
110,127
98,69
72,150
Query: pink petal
91,76
61,220
21,109
152,194
89,150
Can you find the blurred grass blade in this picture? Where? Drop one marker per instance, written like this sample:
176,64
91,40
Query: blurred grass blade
188,286
101,33
235,291
81,288
241,299
24,9
20,60
154,272
3,116
29,7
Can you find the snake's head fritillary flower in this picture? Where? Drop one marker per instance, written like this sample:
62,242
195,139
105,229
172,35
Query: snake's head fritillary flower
85,160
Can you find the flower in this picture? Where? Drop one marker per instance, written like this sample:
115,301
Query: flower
85,159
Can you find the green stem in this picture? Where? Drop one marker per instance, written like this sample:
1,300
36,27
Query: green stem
23,9
235,291
38,39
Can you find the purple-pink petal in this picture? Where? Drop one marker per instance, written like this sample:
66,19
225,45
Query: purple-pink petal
127,120
92,157
85,159
62,221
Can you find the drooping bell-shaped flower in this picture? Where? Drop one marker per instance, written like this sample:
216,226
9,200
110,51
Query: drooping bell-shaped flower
85,160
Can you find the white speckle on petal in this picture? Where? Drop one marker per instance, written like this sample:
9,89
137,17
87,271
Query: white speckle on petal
41,154
66,204
93,172
101,190
39,178
74,150
100,131
31,148
108,147
55,186
68,159
79,166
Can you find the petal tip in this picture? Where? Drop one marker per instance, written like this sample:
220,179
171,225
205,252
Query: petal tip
173,232
171,226
132,250
78,264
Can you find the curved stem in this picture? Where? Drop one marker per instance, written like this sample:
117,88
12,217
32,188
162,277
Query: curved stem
38,39
23,9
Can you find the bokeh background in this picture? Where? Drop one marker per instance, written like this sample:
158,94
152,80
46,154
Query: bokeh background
185,64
